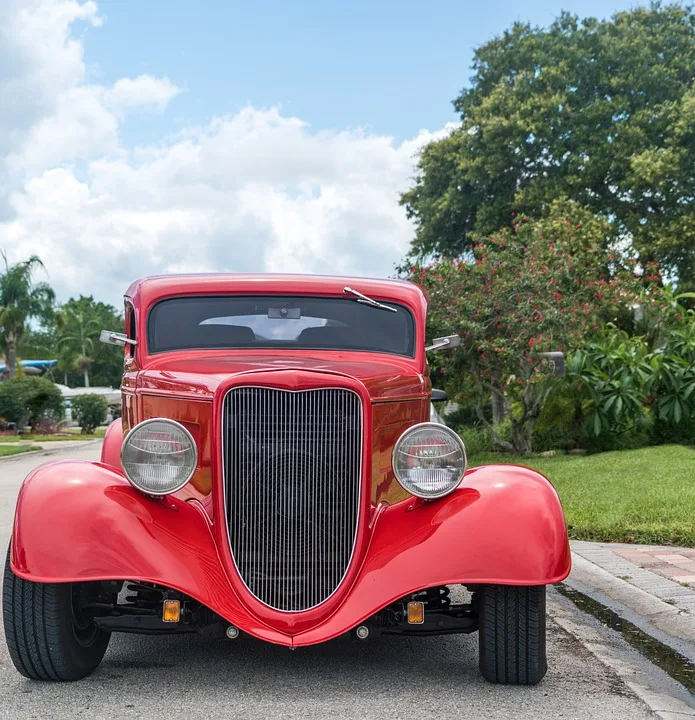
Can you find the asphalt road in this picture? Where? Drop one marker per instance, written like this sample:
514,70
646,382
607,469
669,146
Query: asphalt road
193,677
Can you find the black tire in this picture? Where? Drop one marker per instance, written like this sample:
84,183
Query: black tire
512,634
46,640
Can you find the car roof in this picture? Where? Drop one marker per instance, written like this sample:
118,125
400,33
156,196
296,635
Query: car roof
146,291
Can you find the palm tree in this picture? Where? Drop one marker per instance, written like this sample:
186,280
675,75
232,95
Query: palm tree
77,335
21,300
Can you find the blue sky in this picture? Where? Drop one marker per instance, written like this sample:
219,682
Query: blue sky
392,67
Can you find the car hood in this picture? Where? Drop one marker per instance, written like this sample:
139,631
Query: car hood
385,377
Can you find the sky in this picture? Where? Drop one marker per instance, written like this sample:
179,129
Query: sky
141,138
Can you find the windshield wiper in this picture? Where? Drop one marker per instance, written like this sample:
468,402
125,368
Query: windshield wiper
368,301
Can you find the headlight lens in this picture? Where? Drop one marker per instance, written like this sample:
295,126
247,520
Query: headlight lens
159,456
429,460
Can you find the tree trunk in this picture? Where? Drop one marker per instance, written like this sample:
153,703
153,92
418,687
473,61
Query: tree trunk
86,361
522,436
491,429
11,343
498,407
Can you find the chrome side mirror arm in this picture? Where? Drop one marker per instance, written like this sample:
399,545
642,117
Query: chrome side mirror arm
444,343
116,338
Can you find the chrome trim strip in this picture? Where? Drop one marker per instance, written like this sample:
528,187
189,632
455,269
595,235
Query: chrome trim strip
269,407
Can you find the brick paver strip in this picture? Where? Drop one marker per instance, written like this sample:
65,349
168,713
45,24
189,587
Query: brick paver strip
663,572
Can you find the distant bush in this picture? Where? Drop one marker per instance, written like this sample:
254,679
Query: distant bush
478,440
89,411
556,427
30,401
661,433
467,415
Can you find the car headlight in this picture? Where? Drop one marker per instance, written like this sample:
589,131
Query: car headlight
429,460
159,456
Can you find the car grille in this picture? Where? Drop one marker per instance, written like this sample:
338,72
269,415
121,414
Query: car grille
292,474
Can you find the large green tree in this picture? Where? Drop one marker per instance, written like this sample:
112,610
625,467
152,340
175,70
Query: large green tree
602,112
20,300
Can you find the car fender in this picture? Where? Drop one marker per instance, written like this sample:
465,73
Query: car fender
111,447
79,521
504,525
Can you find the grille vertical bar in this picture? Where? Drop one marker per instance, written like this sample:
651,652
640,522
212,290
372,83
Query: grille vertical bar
292,476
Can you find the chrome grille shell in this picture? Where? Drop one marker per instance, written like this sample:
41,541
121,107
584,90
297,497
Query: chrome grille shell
292,477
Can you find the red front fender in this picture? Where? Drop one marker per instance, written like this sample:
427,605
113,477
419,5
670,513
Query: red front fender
83,521
111,447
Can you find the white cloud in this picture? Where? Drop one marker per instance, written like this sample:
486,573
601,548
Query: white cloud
85,122
39,62
50,113
142,91
256,191
80,127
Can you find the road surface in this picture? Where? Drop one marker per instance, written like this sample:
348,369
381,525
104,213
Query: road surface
192,677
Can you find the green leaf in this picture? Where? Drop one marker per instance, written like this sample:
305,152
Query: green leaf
618,406
597,425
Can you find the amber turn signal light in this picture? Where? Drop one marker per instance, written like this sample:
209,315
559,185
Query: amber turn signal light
171,611
416,613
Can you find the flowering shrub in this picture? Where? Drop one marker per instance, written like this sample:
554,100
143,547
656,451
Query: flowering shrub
539,286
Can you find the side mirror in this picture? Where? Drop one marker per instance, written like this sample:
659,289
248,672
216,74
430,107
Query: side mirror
439,395
556,360
450,341
115,338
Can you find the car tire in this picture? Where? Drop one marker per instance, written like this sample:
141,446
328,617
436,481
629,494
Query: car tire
512,634
45,639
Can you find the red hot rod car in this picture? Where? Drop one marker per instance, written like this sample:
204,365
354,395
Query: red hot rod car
275,473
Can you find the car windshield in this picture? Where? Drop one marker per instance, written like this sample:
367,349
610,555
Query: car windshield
274,321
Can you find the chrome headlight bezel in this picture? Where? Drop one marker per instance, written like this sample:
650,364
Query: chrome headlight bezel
178,427
407,436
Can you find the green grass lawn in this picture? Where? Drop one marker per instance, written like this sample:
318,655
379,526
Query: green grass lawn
639,496
6,450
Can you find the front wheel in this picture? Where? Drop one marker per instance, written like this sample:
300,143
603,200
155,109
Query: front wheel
48,636
512,634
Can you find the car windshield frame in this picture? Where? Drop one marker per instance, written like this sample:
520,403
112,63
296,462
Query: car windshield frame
404,316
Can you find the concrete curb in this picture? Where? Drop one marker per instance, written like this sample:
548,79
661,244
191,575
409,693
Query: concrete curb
670,702
50,450
666,623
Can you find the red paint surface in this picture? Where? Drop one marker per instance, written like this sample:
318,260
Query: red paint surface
111,447
83,521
